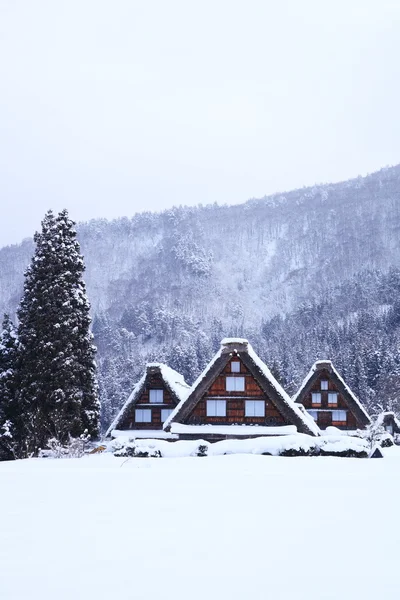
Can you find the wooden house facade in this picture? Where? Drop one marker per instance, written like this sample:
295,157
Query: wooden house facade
150,404
237,396
329,400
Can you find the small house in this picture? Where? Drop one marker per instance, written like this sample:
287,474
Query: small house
237,396
151,402
329,400
389,422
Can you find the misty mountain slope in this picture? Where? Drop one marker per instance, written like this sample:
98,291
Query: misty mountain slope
244,262
312,273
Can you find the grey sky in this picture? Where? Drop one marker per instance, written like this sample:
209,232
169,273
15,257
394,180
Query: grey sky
109,107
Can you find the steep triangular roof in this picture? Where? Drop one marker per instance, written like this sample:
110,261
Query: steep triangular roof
353,402
267,382
386,417
173,381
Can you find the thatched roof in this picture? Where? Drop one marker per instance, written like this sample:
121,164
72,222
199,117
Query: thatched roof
362,417
259,370
173,381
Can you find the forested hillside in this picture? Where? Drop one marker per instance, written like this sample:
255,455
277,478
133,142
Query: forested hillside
313,273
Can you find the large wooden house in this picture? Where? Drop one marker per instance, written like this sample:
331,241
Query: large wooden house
329,400
150,404
236,396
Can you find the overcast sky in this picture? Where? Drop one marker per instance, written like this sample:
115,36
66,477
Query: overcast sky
109,107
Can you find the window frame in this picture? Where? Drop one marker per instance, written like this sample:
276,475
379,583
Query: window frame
259,404
142,411
330,394
313,394
163,410
217,404
156,401
339,420
324,385
230,378
237,364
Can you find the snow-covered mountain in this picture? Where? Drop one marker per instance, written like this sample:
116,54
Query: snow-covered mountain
162,279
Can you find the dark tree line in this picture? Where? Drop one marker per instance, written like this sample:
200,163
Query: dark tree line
48,386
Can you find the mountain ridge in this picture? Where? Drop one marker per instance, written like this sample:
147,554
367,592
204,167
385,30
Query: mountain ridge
167,285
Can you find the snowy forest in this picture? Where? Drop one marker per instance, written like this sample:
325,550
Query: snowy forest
305,275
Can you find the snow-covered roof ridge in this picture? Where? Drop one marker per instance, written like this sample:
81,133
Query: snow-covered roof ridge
386,415
285,396
175,380
328,364
232,341
202,375
131,400
172,379
253,361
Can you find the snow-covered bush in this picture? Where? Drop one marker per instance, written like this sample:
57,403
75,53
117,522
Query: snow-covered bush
289,446
202,450
75,448
131,450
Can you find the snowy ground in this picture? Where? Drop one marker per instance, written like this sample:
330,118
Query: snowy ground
228,527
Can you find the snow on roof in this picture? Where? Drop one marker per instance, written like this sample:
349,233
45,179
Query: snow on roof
233,341
285,397
319,365
238,430
174,380
133,434
194,386
226,345
384,416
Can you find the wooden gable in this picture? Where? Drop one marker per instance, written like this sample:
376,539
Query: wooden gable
237,388
330,401
235,412
152,400
154,381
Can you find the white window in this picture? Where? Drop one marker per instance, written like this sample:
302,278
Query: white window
324,384
316,398
313,414
332,397
339,416
235,366
157,396
165,412
255,408
216,408
235,384
143,415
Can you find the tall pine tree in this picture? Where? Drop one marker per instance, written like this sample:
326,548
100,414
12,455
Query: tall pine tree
56,376
9,413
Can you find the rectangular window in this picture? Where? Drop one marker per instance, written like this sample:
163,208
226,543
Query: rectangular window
235,366
332,398
235,384
316,398
216,408
156,396
165,412
324,384
339,416
143,415
313,414
255,408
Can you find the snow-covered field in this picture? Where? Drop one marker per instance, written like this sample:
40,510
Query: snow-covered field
236,527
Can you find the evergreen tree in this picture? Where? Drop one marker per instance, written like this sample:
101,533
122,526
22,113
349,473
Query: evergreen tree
57,384
9,414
